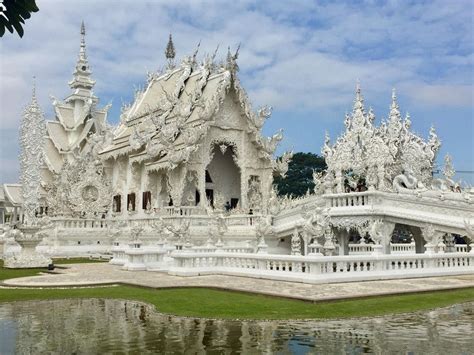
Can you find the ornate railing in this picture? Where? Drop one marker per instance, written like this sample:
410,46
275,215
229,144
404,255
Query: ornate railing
350,199
461,248
403,248
225,249
79,223
196,220
360,249
309,268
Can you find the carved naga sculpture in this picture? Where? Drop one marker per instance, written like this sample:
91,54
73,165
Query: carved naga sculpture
405,181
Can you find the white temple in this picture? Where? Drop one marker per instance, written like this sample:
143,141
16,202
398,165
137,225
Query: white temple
184,184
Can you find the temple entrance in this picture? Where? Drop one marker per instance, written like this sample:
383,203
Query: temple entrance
223,178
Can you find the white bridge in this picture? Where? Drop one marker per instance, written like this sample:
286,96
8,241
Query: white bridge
448,212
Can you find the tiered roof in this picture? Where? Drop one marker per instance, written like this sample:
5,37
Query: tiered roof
77,117
169,118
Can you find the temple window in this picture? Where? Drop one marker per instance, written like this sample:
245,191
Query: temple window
117,203
131,202
146,200
234,202
208,177
210,196
198,197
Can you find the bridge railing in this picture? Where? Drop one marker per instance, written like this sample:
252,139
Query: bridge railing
349,199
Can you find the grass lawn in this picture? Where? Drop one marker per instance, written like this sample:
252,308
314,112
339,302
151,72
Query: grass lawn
13,273
210,303
59,261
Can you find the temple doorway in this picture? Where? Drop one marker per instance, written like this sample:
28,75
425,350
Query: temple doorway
223,178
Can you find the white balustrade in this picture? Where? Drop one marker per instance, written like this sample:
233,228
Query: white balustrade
349,199
461,248
99,223
139,257
360,249
403,248
321,268
118,254
195,215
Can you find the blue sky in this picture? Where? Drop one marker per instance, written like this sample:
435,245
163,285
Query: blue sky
303,58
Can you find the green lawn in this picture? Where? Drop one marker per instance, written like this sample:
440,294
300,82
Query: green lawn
210,303
59,261
13,273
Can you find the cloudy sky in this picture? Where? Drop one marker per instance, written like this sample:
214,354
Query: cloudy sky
303,58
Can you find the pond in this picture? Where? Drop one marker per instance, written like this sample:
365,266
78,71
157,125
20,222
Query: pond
91,326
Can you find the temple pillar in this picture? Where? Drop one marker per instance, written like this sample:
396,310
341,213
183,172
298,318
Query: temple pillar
244,185
381,178
339,182
177,178
342,236
201,176
418,238
266,185
381,233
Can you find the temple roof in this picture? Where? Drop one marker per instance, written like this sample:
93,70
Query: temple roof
53,158
179,93
13,193
58,135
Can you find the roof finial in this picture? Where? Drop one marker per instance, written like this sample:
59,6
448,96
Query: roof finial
82,53
81,78
170,52
231,60
359,100
34,88
394,108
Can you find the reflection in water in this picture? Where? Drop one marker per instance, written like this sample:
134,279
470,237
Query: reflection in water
93,326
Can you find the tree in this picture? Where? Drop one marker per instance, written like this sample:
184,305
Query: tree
299,177
13,14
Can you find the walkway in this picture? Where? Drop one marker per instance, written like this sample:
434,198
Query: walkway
102,273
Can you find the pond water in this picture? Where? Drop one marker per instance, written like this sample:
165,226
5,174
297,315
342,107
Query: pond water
92,326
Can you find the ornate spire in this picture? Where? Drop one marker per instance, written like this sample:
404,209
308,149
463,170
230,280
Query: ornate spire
82,52
170,52
394,108
81,76
448,169
32,132
33,91
359,100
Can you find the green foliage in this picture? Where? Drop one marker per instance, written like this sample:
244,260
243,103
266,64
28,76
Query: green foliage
14,13
299,177
211,303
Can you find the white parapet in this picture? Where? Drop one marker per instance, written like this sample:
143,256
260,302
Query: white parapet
118,254
139,258
322,269
360,249
403,248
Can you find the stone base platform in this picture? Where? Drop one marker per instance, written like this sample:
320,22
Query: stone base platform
103,274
